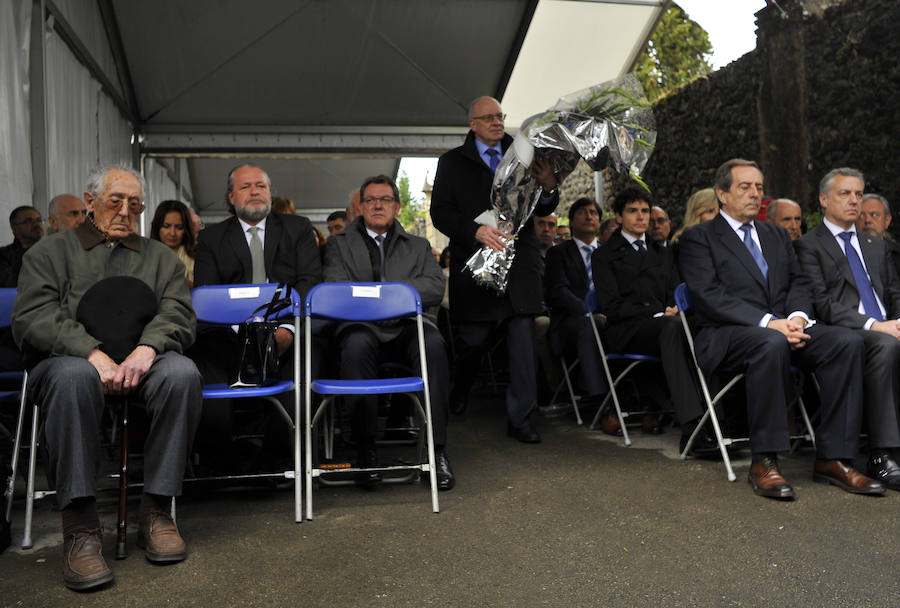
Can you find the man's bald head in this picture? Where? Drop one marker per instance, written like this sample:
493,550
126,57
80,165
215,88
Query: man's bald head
66,212
786,213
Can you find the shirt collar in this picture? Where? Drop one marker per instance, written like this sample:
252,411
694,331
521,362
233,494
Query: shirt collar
90,236
632,239
836,230
261,225
736,224
592,244
482,147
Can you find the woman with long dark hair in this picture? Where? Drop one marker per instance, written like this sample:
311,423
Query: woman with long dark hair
172,227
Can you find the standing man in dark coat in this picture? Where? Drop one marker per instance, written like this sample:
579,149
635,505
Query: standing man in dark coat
462,191
856,286
754,313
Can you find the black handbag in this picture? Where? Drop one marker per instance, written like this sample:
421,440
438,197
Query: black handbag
258,362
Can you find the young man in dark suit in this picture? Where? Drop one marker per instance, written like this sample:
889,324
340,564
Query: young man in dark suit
856,286
635,278
754,313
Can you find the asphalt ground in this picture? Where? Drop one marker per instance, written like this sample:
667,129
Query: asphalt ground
579,520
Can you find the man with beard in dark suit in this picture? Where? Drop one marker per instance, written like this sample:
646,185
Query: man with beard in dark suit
754,313
462,192
253,246
635,279
856,286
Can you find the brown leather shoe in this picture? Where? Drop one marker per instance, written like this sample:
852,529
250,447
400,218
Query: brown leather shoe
650,424
159,537
83,564
766,480
609,422
846,478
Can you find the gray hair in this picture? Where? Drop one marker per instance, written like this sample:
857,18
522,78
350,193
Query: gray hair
230,185
772,209
825,184
96,180
884,201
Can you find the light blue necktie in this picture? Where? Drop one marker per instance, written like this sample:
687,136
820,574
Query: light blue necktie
494,158
755,250
863,284
589,250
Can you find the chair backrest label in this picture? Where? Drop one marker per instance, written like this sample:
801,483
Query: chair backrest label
366,291
241,293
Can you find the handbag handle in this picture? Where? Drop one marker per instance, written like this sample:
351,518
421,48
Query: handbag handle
276,304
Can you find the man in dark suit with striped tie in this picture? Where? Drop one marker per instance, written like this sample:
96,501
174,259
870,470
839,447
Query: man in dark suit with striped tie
856,286
754,312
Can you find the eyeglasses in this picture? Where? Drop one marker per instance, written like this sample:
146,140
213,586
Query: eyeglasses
653,222
134,206
490,117
33,221
384,200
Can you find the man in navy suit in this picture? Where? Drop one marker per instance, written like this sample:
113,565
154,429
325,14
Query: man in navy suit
754,312
856,286
568,281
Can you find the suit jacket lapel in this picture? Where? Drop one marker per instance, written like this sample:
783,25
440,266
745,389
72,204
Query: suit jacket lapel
769,245
733,243
238,243
577,262
274,228
832,248
358,252
873,262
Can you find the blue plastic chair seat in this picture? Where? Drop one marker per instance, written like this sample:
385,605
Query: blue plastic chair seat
222,391
630,356
373,387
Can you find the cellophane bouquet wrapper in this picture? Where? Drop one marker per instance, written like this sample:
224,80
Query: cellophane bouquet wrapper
609,125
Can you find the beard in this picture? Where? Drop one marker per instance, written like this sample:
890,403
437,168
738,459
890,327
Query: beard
253,215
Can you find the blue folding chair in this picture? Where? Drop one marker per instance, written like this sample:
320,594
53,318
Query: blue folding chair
7,299
685,308
231,305
633,359
365,302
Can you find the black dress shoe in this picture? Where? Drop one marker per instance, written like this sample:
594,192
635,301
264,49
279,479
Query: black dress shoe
883,468
524,433
368,458
704,447
445,477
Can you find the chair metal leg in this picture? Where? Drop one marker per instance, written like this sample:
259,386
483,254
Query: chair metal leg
122,527
29,490
14,463
572,397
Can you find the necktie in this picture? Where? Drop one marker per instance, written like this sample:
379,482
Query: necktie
379,240
257,260
641,246
494,158
863,284
588,250
754,250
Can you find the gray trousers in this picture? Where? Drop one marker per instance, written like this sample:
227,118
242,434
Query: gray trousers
71,397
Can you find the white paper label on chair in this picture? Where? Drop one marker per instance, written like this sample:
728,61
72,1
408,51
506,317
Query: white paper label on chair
366,291
241,293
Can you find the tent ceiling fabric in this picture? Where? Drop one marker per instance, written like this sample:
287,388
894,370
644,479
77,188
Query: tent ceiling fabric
335,62
323,93
573,45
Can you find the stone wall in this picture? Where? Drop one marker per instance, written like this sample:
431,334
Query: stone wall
819,92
